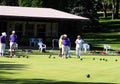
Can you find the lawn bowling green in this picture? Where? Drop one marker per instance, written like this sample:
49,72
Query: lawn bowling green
39,69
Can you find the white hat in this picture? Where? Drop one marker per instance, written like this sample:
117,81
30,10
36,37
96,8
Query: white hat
65,35
4,34
13,32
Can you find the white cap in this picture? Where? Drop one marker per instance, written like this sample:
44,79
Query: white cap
13,32
4,34
65,35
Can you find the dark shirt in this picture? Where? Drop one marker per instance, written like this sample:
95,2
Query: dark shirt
2,39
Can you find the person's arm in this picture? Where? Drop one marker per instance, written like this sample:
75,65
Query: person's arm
70,44
76,41
83,41
44,46
0,39
60,43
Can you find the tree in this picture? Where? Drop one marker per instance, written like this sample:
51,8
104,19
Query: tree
117,8
85,8
56,4
113,9
50,3
2,3
114,6
36,3
9,2
30,3
25,3
105,4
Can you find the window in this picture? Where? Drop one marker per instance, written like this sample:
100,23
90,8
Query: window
19,29
29,30
41,30
55,30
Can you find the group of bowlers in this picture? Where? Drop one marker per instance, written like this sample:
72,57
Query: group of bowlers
12,40
65,44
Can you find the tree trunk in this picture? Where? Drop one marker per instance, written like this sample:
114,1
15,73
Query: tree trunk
104,10
117,9
113,9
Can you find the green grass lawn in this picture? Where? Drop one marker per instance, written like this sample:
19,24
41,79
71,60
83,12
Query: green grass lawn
110,34
39,69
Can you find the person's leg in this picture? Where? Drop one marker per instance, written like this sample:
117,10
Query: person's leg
63,50
85,49
41,49
3,49
77,52
80,49
11,48
14,48
106,50
66,51
0,49
60,52
69,52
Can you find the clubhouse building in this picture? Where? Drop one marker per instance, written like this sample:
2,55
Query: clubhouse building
45,23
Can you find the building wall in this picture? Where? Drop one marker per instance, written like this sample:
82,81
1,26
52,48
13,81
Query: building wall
47,30
26,30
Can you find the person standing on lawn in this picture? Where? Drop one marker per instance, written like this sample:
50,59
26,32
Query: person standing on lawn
66,46
2,43
13,39
79,43
60,45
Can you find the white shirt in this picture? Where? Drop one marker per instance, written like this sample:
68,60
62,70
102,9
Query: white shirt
79,43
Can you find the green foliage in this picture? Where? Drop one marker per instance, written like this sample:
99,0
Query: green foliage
3,3
30,3
50,3
109,35
85,8
9,2
56,4
109,5
36,3
26,3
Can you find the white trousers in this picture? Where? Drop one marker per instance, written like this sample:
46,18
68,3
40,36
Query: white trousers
65,50
2,48
12,45
78,51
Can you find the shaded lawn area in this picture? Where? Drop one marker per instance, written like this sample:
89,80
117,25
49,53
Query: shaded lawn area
43,81
109,34
39,69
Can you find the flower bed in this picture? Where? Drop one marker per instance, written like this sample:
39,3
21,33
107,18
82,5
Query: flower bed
98,52
117,51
